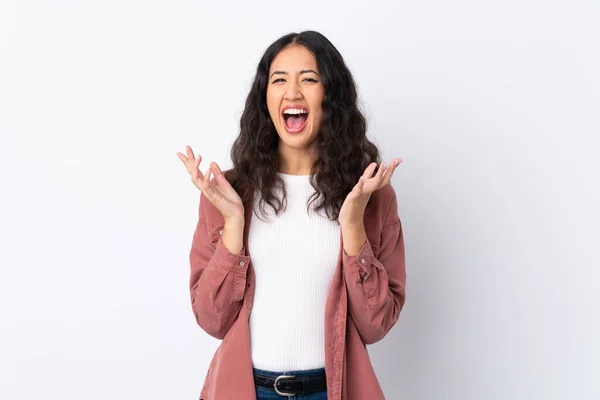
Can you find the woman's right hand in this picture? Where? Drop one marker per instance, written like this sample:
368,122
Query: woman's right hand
220,193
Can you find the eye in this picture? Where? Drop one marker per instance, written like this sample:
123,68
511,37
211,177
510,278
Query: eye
279,79
311,80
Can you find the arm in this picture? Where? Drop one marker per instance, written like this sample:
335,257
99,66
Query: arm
376,285
217,277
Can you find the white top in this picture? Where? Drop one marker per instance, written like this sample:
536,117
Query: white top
294,256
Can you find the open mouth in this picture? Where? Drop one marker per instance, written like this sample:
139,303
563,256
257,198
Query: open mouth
294,119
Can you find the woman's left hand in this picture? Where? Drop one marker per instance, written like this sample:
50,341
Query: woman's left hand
353,209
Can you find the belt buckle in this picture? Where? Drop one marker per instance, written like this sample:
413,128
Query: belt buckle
278,379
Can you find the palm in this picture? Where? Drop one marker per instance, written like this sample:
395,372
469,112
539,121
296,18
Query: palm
356,201
372,184
218,191
225,197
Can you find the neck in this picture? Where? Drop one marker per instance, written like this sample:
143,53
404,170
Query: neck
296,161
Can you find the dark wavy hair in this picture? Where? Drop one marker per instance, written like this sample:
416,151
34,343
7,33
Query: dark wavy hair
343,148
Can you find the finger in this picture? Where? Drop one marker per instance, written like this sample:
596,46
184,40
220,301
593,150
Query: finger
383,174
369,170
376,180
195,169
184,160
218,174
387,174
361,184
190,153
197,161
393,165
181,157
206,181
381,171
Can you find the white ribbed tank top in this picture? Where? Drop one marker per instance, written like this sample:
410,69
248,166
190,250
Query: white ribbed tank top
294,256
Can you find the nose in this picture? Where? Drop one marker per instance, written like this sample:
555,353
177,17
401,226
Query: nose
292,91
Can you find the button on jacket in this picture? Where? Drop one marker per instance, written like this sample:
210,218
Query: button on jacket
363,303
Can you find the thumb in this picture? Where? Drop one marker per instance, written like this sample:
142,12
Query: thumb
361,184
219,177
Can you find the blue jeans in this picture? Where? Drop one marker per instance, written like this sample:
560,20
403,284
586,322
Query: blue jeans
270,394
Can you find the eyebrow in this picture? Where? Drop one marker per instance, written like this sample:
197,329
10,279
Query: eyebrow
304,71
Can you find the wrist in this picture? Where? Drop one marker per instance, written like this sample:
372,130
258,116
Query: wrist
235,221
354,224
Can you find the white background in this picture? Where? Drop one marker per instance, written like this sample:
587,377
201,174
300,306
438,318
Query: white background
494,107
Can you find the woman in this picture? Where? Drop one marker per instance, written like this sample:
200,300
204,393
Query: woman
322,281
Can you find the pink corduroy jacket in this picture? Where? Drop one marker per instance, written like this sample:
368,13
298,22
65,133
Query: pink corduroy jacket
364,302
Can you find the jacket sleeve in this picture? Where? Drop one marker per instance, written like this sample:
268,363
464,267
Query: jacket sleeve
217,278
376,284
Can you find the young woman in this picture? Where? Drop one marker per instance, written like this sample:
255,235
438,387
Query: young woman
296,288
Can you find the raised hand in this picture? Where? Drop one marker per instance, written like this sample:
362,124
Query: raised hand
355,203
219,192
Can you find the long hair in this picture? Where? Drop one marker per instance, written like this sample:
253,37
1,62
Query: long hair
343,148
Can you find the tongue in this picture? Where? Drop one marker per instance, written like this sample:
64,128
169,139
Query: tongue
295,121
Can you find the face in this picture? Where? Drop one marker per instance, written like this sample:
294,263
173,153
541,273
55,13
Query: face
294,96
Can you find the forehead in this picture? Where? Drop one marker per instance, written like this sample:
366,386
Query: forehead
294,57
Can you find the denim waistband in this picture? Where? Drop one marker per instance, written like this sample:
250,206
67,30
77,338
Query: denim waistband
305,372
